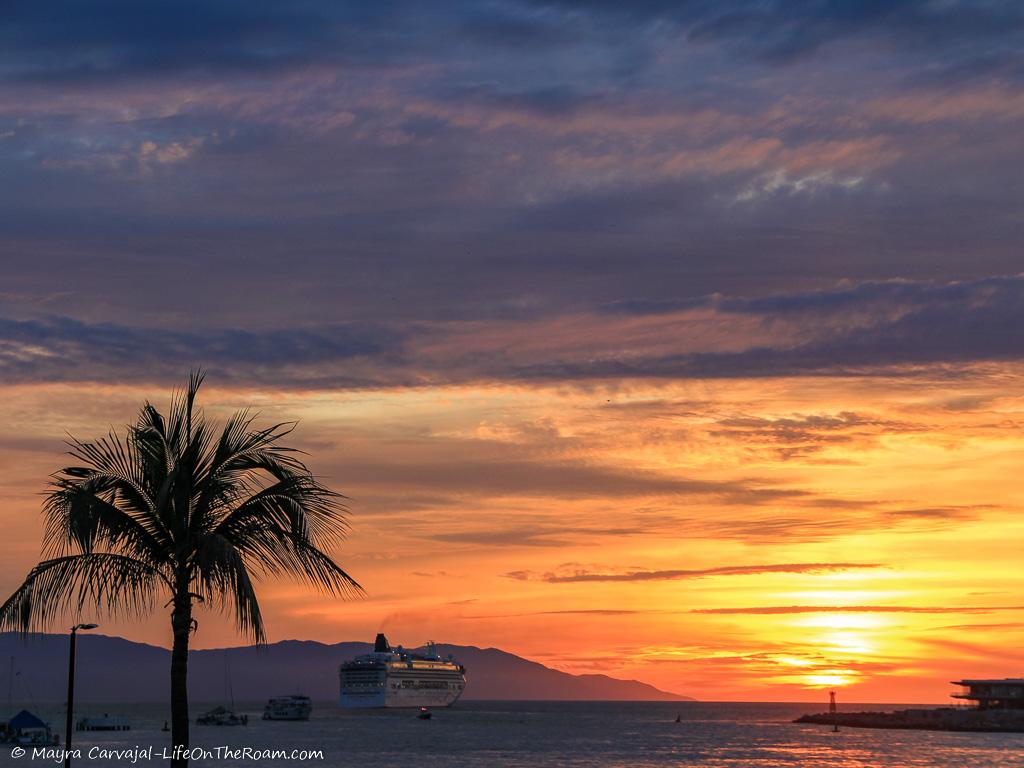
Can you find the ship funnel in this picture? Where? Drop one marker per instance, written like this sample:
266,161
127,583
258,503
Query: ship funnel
380,645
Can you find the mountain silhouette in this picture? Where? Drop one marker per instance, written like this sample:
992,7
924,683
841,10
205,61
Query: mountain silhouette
112,669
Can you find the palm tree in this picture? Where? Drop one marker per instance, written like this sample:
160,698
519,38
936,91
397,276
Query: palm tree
178,509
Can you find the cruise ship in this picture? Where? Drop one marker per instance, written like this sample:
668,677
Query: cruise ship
393,677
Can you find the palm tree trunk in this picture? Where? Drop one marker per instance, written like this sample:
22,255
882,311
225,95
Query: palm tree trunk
181,624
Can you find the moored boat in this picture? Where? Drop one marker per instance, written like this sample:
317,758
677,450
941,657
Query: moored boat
103,723
293,707
25,729
222,716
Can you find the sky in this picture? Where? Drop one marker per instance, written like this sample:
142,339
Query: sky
672,341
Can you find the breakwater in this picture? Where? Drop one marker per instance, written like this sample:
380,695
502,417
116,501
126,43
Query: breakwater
935,719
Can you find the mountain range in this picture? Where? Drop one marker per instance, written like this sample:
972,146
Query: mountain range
112,669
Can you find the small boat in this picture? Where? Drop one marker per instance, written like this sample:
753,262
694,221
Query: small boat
424,714
222,716
104,723
293,707
25,729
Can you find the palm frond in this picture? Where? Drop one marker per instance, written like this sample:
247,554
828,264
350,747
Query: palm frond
117,461
241,449
269,551
298,506
179,424
92,511
223,578
112,584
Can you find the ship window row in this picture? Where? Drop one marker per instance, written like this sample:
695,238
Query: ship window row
420,665
424,684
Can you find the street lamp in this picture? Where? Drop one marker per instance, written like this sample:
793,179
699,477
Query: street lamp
71,690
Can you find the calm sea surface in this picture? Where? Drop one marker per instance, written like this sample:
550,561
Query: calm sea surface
535,735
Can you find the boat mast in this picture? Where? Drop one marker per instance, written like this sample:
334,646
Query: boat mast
228,688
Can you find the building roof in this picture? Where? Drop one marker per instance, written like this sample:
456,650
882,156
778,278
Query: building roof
1002,681
23,720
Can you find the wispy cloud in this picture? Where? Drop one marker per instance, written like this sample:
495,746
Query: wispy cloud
580,612
871,328
698,573
769,610
543,536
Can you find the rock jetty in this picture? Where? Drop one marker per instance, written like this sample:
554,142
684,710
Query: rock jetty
938,719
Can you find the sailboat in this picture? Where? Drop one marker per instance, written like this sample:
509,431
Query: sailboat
23,728
223,715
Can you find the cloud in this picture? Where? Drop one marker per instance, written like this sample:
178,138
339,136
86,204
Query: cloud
965,649
802,435
505,472
798,427
864,329
700,573
782,31
119,39
783,529
771,610
322,163
549,102
870,326
943,513
590,612
544,536
69,349
893,298
780,182
581,612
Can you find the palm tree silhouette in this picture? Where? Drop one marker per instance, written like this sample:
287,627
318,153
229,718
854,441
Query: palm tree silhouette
176,508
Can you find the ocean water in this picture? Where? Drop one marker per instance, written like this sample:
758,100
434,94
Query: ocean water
540,734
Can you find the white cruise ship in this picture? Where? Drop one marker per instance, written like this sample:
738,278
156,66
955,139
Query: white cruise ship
393,677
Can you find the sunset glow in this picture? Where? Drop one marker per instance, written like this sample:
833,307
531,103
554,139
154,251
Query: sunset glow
675,533
680,344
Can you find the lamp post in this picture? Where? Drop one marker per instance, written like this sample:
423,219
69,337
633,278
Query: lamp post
71,691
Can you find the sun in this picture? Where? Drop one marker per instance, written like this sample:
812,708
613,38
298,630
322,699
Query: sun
832,679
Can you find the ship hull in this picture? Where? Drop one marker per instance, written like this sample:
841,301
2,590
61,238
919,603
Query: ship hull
400,699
